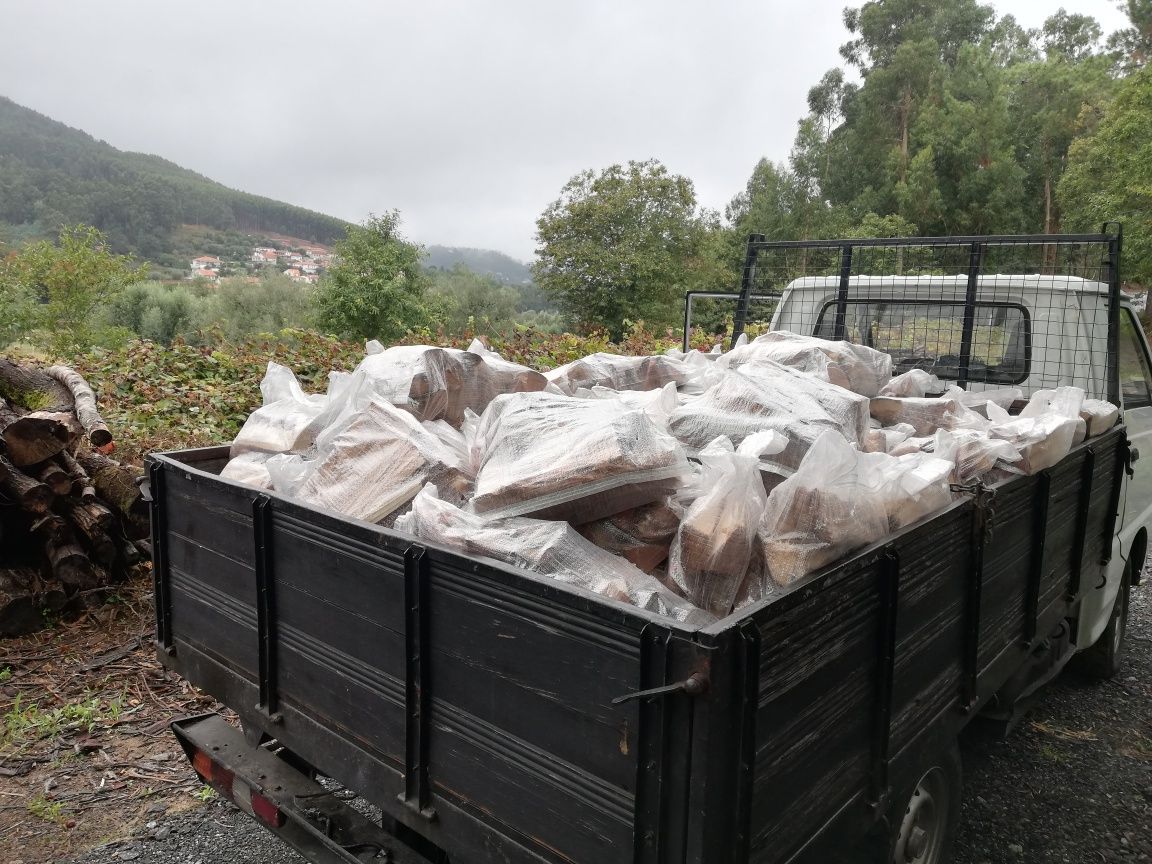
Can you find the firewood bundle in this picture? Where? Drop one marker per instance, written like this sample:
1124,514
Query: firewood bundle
72,520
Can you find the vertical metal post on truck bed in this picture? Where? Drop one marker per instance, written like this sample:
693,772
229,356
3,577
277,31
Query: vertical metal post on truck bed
747,279
975,263
265,608
161,578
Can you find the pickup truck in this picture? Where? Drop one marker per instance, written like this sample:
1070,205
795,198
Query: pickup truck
403,702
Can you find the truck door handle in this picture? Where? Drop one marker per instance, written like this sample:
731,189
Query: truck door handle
695,684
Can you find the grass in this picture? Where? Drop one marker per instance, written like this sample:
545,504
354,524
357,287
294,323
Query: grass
24,723
48,811
205,794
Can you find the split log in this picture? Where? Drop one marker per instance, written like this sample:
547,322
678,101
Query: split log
53,476
117,487
32,438
84,402
81,483
33,389
92,522
49,525
71,565
26,492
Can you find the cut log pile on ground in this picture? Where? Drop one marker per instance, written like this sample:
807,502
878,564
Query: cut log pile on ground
73,521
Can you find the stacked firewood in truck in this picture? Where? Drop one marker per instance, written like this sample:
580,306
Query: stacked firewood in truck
73,521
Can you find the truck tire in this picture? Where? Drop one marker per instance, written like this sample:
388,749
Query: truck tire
927,813
1102,661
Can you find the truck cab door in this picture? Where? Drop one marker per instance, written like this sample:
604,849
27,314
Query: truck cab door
1135,370
1136,395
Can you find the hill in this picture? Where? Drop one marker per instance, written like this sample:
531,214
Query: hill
501,267
51,174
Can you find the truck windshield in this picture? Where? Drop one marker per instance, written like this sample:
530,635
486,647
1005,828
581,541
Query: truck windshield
923,335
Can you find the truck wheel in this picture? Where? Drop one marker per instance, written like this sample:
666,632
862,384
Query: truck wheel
922,832
1102,660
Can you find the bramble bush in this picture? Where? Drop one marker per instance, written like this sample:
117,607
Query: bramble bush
169,397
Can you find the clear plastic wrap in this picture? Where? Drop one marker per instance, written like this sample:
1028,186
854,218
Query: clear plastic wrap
417,378
855,367
885,440
557,457
552,549
379,461
1099,416
1041,441
972,453
641,535
925,415
1046,429
1063,402
709,559
657,404
249,468
617,372
911,486
826,510
288,471
766,395
914,382
485,376
285,421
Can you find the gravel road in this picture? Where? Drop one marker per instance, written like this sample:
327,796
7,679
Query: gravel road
1073,784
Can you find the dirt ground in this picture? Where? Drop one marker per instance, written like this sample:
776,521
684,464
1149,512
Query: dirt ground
85,751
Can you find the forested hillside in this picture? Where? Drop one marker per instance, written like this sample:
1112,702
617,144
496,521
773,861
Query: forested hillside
51,174
487,262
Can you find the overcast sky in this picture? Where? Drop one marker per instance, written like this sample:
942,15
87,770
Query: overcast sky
466,116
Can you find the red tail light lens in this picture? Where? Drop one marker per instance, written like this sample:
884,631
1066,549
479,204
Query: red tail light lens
266,811
236,790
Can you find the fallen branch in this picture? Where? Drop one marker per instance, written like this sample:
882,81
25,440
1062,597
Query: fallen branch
85,406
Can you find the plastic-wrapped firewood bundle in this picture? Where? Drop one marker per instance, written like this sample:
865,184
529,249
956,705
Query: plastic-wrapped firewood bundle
485,376
641,535
285,421
710,555
617,372
378,462
1046,429
1099,416
657,404
925,415
556,457
548,548
911,486
914,382
973,453
857,368
765,395
826,510
438,383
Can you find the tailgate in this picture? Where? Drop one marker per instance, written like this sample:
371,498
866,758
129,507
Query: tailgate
469,701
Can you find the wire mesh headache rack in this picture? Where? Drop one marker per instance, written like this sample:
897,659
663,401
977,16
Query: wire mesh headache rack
1031,311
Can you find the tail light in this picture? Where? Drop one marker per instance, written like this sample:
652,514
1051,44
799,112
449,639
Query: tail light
236,790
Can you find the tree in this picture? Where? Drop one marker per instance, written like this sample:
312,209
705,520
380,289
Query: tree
377,288
621,244
1133,45
54,289
1109,175
473,298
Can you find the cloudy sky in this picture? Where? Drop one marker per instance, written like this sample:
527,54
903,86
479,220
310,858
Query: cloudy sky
468,116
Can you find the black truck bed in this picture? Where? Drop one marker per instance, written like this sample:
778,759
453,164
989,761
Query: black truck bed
473,702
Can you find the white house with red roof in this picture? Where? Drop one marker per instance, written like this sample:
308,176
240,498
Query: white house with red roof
206,262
